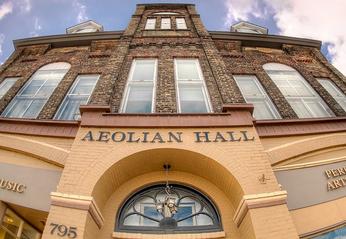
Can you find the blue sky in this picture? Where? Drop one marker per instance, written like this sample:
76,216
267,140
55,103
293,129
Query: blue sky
316,19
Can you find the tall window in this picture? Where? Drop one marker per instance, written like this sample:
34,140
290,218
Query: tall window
304,100
181,24
165,23
150,24
33,96
334,91
6,84
140,89
254,93
78,94
186,211
191,90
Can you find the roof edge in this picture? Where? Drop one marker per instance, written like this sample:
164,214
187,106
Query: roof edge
165,4
265,40
248,39
62,40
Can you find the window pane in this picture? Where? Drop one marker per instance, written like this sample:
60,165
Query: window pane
144,70
185,211
187,70
181,24
85,85
317,109
132,220
11,221
334,91
248,86
139,99
6,234
34,108
192,99
204,220
254,93
33,87
140,87
150,211
262,109
29,232
6,85
17,108
78,95
302,97
36,91
165,23
47,88
299,108
150,25
284,86
70,107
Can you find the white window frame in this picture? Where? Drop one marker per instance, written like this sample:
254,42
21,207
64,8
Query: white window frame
130,82
181,25
12,81
300,98
264,96
341,98
150,24
49,67
79,78
201,82
166,25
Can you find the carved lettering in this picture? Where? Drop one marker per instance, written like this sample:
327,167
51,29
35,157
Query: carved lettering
103,136
175,137
202,136
158,138
88,137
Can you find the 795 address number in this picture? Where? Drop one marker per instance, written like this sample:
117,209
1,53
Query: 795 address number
63,231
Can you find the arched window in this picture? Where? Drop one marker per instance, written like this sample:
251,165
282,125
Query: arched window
179,209
304,100
34,95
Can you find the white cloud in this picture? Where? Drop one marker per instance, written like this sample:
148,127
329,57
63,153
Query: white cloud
37,27
25,5
2,39
316,19
81,11
241,10
5,8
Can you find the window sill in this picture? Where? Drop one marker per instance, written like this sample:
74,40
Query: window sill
207,235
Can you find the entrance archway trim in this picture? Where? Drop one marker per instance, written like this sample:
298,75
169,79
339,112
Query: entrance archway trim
261,200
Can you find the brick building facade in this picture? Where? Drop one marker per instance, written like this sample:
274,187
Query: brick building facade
277,175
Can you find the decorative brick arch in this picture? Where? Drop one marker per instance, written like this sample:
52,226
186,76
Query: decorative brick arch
286,151
42,151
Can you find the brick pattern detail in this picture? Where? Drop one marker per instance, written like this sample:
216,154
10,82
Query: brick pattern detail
219,59
249,60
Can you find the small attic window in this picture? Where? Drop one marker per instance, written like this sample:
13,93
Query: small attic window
165,13
247,27
85,27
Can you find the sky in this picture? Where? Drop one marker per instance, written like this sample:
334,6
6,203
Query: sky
315,19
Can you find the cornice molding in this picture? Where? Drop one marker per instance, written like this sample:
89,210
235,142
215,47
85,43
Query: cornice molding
85,203
261,200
